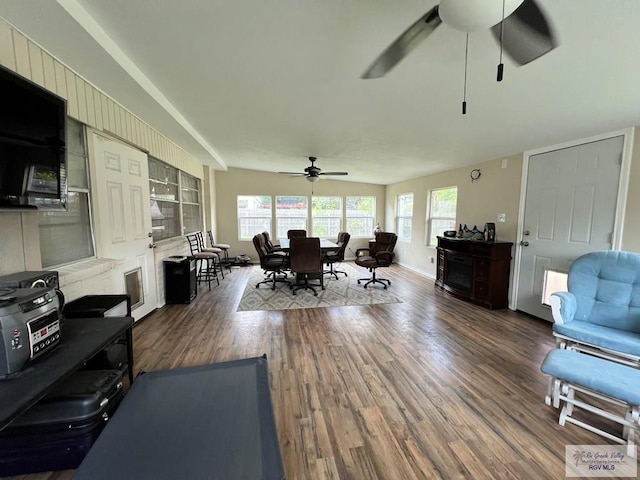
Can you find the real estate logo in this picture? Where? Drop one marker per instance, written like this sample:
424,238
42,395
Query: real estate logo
608,461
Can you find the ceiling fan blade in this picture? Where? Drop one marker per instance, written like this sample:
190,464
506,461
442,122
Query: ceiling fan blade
292,173
404,44
527,33
333,173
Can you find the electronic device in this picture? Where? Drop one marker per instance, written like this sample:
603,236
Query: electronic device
29,326
32,143
30,279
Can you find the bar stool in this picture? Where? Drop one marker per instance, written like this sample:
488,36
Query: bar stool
216,250
222,246
205,261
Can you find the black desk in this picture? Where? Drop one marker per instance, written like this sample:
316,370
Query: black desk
82,338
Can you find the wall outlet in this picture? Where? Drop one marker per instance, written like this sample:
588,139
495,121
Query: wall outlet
502,217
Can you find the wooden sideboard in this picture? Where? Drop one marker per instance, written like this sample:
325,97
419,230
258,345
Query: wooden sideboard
476,271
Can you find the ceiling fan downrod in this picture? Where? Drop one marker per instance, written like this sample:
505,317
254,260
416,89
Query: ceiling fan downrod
501,65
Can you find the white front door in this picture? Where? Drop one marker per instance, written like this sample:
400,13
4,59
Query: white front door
570,208
123,217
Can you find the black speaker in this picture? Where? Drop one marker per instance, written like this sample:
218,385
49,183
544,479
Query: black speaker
179,279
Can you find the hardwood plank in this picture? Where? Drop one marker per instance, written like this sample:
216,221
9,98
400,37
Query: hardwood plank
432,387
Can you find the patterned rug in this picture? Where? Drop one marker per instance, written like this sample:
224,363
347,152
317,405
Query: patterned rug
337,293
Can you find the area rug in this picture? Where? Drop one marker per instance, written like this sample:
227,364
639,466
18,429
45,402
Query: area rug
337,293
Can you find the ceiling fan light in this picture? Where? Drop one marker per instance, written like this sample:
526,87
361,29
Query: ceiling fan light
313,179
470,15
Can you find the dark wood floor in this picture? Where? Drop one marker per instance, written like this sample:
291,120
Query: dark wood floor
429,388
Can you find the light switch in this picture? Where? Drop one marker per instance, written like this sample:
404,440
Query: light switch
502,217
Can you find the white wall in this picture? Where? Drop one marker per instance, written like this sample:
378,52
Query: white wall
238,181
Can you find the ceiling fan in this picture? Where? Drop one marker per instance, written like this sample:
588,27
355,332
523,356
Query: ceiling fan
313,173
519,25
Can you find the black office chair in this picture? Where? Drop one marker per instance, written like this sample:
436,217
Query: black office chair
380,254
296,233
269,244
305,258
336,256
274,264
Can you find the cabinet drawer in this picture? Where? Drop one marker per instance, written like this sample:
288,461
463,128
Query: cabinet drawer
480,289
482,270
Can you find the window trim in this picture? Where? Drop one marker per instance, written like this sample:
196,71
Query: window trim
271,215
340,217
305,217
178,200
347,217
70,189
405,217
430,217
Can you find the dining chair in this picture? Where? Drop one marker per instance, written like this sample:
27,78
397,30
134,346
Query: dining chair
337,256
379,255
305,258
270,246
274,264
296,233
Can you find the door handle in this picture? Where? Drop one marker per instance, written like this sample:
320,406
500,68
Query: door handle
524,244
152,245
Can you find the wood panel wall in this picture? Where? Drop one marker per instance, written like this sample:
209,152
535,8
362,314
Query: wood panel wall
85,102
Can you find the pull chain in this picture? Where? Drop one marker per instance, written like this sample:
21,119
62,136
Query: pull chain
501,65
466,61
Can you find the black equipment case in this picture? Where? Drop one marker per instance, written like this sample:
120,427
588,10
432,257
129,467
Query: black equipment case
57,432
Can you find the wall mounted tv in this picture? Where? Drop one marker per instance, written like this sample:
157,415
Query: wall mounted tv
32,144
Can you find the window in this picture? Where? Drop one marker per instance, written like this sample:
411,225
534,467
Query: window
172,190
326,216
190,196
291,213
165,203
442,212
360,216
66,236
254,215
404,216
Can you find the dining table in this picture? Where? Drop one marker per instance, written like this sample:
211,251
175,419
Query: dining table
325,245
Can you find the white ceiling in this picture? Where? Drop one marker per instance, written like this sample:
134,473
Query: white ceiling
263,84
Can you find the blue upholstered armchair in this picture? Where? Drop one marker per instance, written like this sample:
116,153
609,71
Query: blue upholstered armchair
600,313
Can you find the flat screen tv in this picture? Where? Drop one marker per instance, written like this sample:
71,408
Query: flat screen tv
32,144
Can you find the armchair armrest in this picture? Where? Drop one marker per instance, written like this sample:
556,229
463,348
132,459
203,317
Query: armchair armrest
277,256
563,306
363,252
384,258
